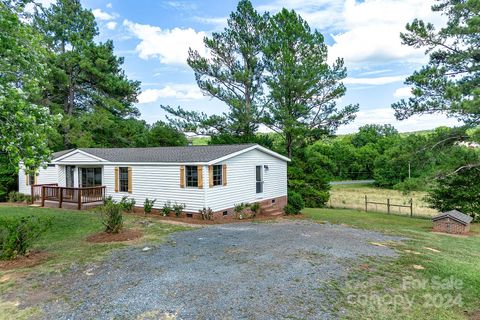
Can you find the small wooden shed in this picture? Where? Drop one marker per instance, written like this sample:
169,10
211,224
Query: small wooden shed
453,222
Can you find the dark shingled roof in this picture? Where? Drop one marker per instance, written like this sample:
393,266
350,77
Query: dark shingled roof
58,154
163,154
455,215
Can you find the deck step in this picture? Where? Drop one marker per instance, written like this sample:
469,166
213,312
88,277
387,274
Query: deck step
271,211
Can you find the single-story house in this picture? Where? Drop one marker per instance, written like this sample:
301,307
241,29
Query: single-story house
214,176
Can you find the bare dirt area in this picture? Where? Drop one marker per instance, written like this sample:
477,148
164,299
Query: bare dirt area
123,235
30,260
233,271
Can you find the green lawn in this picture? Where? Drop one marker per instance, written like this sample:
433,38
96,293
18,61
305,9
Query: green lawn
65,241
447,288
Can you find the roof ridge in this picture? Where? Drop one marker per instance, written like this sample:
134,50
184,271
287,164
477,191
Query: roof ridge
188,146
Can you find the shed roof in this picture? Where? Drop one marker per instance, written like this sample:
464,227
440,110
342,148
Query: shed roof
186,154
455,215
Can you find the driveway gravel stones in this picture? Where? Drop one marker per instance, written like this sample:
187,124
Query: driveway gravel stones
235,271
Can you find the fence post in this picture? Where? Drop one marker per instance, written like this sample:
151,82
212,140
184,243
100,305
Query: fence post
60,198
366,203
388,206
79,200
411,207
43,196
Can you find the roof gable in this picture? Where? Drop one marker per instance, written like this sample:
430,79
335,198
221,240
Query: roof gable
188,154
77,156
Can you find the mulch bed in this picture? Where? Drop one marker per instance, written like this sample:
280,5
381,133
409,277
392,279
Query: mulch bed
204,222
124,235
30,260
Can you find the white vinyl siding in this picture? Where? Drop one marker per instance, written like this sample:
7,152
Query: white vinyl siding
77,158
241,182
45,176
160,182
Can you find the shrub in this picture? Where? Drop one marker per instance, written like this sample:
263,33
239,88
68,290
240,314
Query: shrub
112,217
295,203
108,200
127,204
167,208
255,207
458,190
178,209
239,210
17,235
12,196
207,213
148,205
410,184
15,196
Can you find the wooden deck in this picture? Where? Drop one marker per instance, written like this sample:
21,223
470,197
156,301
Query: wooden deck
52,195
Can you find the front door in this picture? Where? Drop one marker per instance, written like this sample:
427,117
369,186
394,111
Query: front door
69,176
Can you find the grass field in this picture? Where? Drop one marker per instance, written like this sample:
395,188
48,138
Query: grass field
435,277
353,197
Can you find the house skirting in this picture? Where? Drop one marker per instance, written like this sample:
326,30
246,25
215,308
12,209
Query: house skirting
277,203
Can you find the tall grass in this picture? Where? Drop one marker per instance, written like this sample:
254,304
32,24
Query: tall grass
353,197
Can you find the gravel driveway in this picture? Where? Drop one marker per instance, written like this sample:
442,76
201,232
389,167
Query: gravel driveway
235,271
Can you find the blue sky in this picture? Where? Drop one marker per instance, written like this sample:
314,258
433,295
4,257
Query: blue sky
154,35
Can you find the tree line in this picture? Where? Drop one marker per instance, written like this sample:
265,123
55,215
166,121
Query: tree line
61,89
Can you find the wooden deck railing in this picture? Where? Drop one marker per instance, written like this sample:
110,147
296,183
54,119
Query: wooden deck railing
78,196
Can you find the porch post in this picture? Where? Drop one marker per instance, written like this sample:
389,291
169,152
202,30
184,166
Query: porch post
60,197
43,196
79,204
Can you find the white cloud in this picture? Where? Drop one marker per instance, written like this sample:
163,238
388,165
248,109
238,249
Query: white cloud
109,5
179,91
364,31
386,116
371,30
403,92
374,81
111,25
182,5
102,15
218,23
170,46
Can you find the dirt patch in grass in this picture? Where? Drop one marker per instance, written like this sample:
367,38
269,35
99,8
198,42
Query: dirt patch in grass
474,315
124,235
30,260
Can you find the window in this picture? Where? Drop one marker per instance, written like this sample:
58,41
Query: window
259,179
31,179
90,177
191,175
217,175
69,176
123,179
